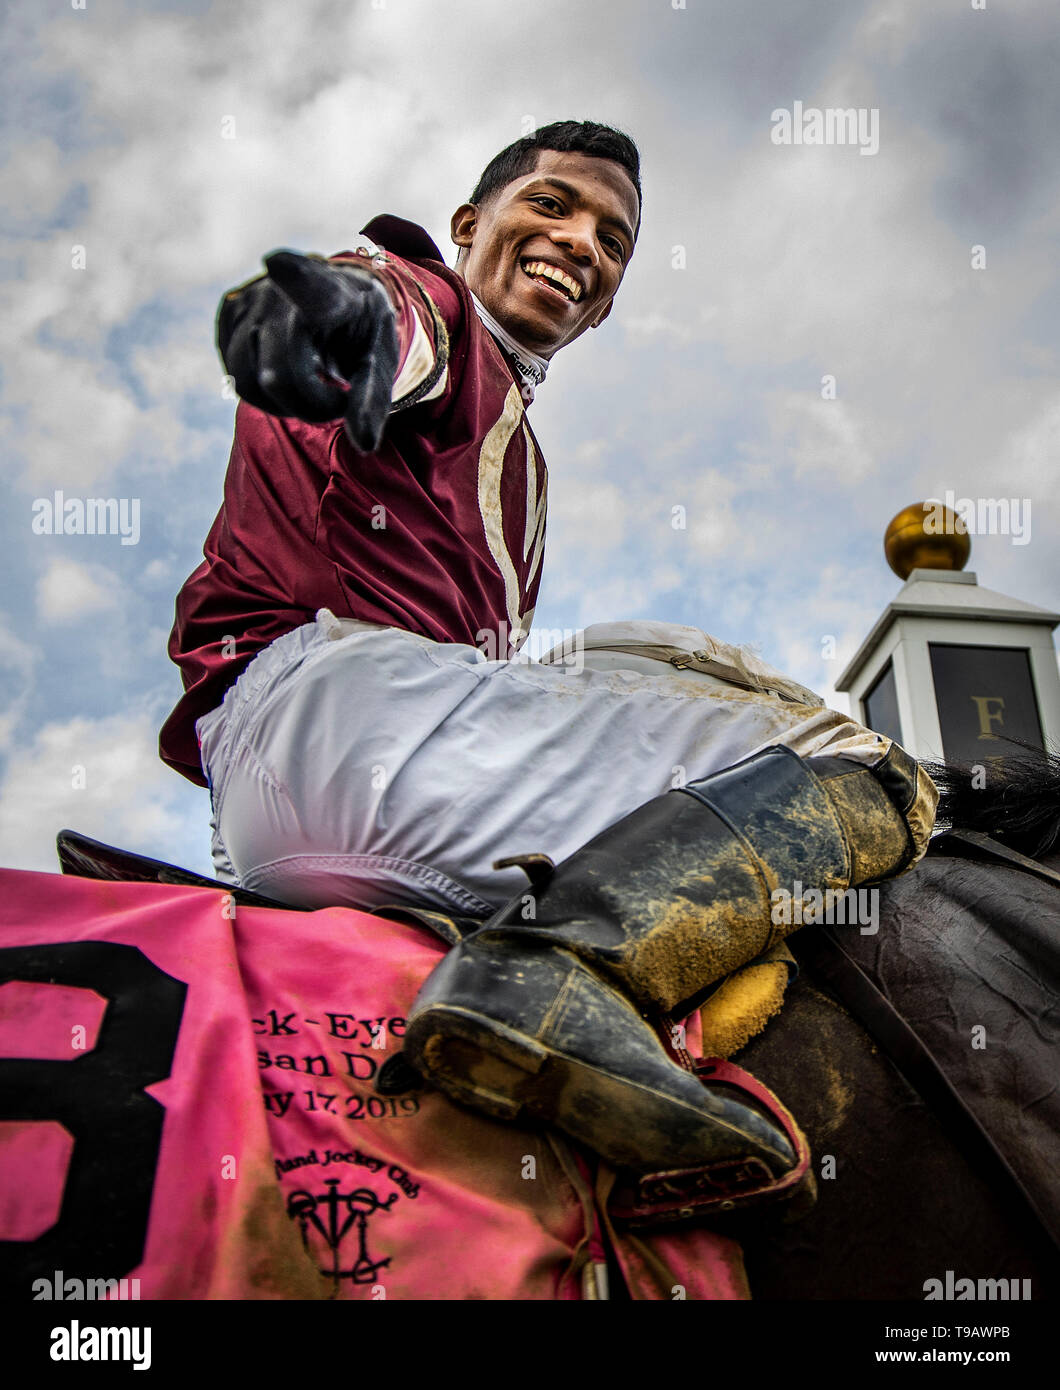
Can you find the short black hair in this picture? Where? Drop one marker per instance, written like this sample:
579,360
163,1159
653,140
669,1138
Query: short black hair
568,137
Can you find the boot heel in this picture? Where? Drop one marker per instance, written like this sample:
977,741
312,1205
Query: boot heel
476,1061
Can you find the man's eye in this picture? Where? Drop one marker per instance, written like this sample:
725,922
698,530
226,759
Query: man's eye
616,246
544,198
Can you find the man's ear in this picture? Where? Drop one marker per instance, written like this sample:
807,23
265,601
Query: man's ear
462,226
600,317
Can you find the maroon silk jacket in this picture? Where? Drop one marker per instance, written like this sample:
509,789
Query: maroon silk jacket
440,532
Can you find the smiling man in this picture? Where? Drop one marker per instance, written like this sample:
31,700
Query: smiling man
431,528
383,520
548,252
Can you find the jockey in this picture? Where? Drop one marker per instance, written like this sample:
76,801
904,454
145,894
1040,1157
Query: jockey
383,521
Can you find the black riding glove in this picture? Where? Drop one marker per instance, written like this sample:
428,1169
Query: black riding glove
315,341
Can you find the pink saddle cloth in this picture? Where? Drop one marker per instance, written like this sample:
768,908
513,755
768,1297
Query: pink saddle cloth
187,1106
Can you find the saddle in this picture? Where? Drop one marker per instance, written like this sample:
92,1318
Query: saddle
86,858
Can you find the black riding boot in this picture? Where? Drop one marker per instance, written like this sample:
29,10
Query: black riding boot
547,1016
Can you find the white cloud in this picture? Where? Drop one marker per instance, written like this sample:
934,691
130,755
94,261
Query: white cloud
183,362
157,571
36,169
128,797
68,591
638,327
823,438
18,662
1031,454
588,517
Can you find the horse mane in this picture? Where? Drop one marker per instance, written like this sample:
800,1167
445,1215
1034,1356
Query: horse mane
1014,796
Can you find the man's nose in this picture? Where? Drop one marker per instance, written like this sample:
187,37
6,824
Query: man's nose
578,234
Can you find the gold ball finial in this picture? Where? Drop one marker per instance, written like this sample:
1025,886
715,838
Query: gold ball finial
926,535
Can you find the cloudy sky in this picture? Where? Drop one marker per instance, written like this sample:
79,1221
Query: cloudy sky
176,141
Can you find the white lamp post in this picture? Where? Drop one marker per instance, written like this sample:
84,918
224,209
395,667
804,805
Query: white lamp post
951,669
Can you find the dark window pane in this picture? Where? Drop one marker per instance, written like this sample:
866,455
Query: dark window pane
881,707
985,695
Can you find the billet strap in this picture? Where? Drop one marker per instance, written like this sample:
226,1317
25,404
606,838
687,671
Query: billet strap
822,952
451,929
680,1196
973,844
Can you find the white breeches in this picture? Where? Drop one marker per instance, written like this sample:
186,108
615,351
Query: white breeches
357,765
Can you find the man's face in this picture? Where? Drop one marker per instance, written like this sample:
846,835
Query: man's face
576,215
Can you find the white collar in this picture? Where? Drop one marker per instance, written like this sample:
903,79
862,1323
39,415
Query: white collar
530,367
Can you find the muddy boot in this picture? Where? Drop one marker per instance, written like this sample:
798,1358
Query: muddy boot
555,1018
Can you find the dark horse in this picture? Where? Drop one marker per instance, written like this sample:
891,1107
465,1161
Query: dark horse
967,954
920,1061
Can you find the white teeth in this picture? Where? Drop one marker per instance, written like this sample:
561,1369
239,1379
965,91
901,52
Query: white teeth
551,272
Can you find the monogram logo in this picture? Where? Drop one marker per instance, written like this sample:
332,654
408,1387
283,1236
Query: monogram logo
332,1214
